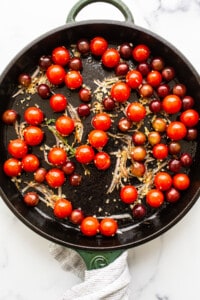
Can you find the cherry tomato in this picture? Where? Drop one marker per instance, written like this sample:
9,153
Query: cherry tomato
58,102
55,177
64,125
189,117
76,216
84,154
176,130
102,160
138,153
60,56
57,156
33,135
108,227
33,115
172,195
89,226
155,198
172,104
101,121
31,198
30,163
17,148
73,79
181,181
141,53
160,151
128,194
9,116
62,208
120,91
12,167
97,138
154,78
134,79
110,58
68,167
39,175
136,112
98,46
162,181
56,74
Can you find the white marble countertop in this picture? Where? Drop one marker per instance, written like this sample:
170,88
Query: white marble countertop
167,268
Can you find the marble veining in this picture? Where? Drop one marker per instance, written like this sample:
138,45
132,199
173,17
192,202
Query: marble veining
167,268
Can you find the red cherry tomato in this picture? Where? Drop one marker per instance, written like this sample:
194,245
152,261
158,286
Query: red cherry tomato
89,226
58,102
17,148
102,160
64,125
189,117
98,46
172,104
155,198
136,112
62,208
181,181
56,74
134,79
60,56
33,115
33,135
160,151
12,167
97,138
108,227
57,156
128,194
55,178
101,121
176,130
141,53
120,91
73,79
163,181
110,58
30,163
154,78
31,198
84,154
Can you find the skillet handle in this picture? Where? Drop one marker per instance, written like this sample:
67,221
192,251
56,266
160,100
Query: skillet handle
82,3
98,259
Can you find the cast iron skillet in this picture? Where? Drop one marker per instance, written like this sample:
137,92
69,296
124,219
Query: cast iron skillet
41,219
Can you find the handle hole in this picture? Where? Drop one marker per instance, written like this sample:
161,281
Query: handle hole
100,11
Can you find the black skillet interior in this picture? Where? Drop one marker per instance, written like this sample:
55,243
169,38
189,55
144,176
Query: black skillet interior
40,219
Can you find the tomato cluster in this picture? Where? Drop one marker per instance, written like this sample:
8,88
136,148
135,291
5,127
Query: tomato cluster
135,109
